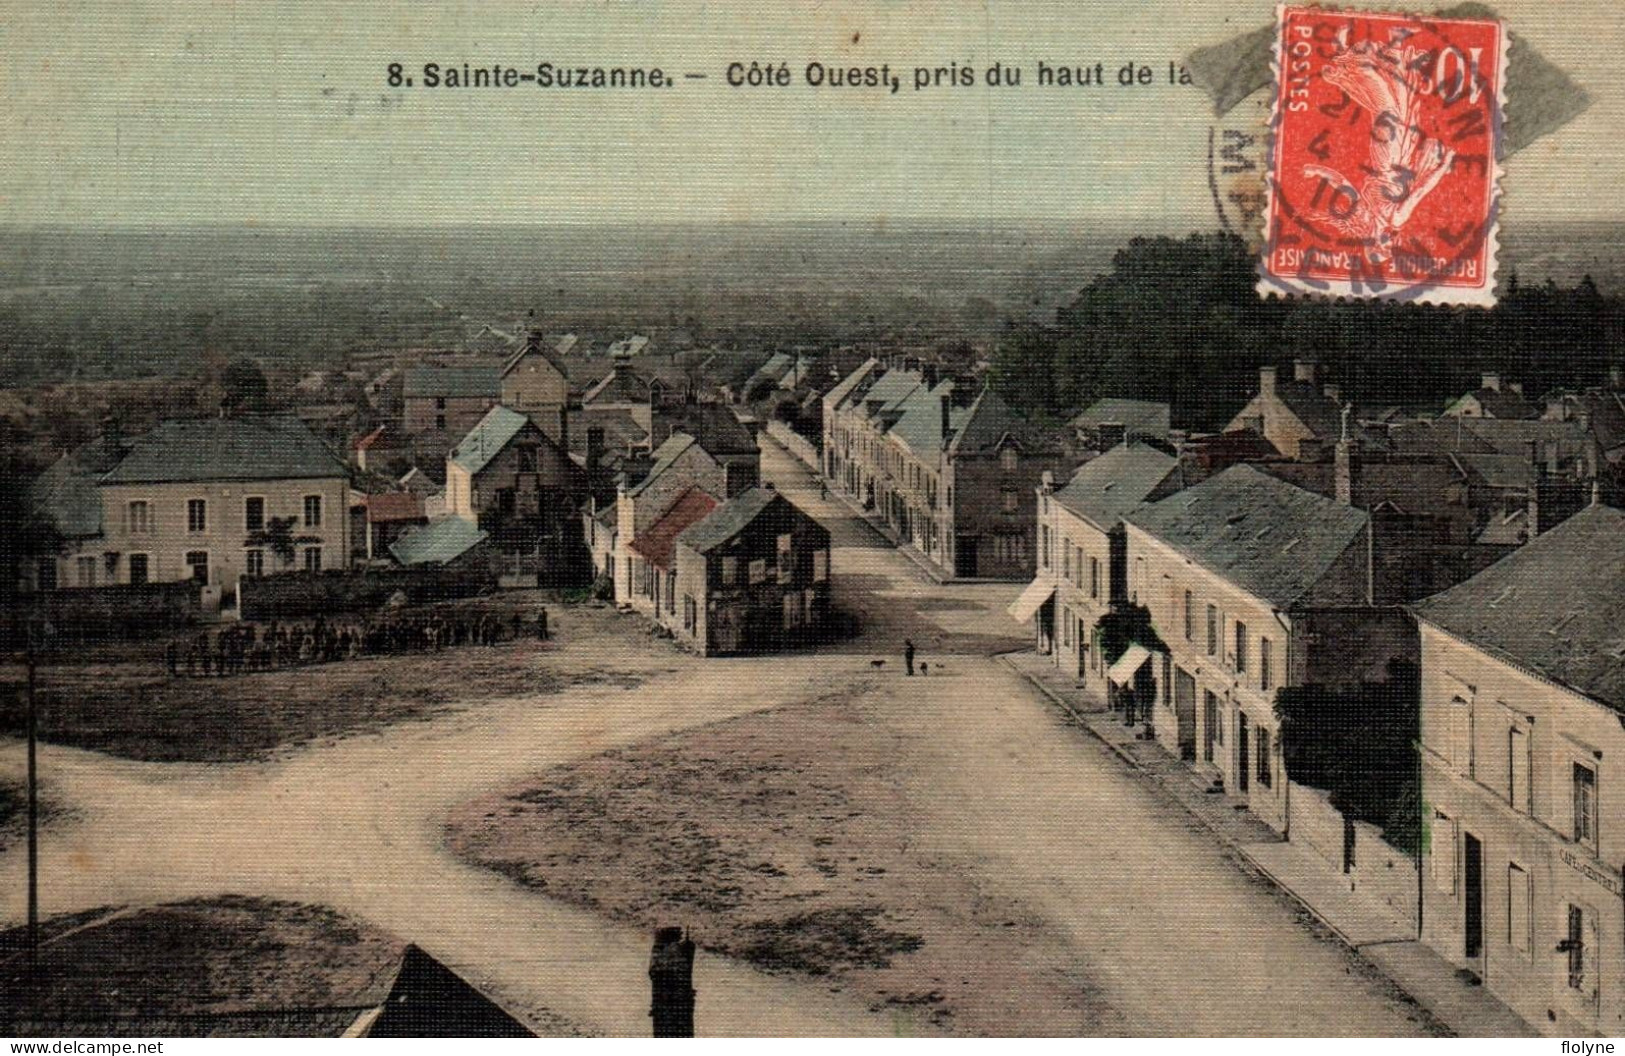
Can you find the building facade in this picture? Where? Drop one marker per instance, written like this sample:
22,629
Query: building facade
448,400
1523,755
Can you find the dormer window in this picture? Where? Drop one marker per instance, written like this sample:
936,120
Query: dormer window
1009,459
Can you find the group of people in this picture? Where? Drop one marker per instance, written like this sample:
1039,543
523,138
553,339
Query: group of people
264,647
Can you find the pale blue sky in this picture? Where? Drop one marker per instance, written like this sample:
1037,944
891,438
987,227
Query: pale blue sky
120,111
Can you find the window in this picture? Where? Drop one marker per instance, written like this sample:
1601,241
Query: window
690,613
1581,946
1066,626
1585,805
1518,899
1066,558
46,573
1012,500
792,611
140,517
254,513
1094,576
254,563
1241,646
313,511
1266,676
1212,630
820,565
1461,734
1264,760
313,559
1045,546
86,571
1009,459
758,570
439,403
440,421
138,569
1190,618
1442,853
730,571
671,591
527,459
787,562
198,562
1518,768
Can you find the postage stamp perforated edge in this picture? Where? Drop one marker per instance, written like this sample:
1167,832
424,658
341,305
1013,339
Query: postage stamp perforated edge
1421,292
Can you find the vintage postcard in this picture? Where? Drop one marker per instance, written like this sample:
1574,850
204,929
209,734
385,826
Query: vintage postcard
848,519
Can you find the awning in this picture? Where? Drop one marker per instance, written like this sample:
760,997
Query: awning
1122,673
1032,599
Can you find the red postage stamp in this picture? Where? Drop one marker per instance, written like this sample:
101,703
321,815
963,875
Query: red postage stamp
1384,178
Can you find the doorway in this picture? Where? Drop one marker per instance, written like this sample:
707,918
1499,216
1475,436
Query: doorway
1473,897
1241,751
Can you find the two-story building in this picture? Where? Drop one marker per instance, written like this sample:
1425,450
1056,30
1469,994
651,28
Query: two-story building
534,383
1252,584
751,576
209,500
1083,552
1523,754
447,400
679,465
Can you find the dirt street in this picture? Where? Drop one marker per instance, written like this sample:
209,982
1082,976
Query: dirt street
1155,928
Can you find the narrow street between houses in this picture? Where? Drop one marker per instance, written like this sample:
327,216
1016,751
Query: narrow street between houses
1153,925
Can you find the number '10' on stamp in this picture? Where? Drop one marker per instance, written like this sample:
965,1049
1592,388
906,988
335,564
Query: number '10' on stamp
1384,176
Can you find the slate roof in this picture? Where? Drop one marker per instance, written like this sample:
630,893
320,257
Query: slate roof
68,493
620,385
990,420
1105,489
664,456
487,439
728,520
716,427
1505,403
437,543
1138,417
888,390
920,423
1555,606
1512,437
1270,538
659,541
843,388
452,382
534,346
248,448
628,347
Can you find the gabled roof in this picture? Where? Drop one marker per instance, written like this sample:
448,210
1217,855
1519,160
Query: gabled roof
366,442
843,388
729,519
1503,403
68,493
1555,606
888,390
247,448
1513,436
664,457
1138,417
487,439
919,422
990,422
452,382
1104,489
437,543
629,347
1270,538
620,385
715,425
533,347
659,541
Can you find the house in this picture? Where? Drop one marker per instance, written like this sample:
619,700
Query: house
622,392
753,576
388,515
1523,753
1492,399
510,478
1250,584
448,400
1287,413
1108,422
655,592
718,429
946,468
208,500
534,383
678,465
1083,552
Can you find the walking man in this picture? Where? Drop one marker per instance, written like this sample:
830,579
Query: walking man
908,655
541,623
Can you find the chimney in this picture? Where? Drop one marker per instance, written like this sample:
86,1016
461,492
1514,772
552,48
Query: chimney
1111,434
1333,392
1306,371
1490,380
930,376
1266,381
1047,480
1346,470
595,447
947,408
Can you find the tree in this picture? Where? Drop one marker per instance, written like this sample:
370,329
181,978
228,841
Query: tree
1358,744
243,387
278,537
25,533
